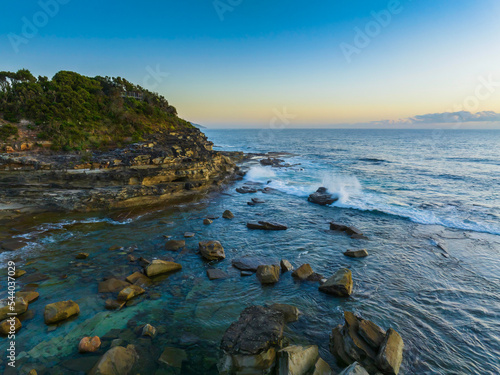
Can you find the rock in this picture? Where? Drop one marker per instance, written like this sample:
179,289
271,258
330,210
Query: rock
131,258
212,217
111,285
28,296
89,344
159,267
143,262
316,277
322,368
322,197
32,372
351,231
59,311
268,274
10,325
371,333
303,272
249,345
265,225
246,190
148,330
214,274
390,354
189,234
82,256
258,201
246,273
114,305
115,247
354,369
12,245
116,361
291,313
274,162
297,360
173,357
130,292
247,263
356,253
340,284
207,221
211,250
174,245
139,279
285,266
19,307
18,273
228,215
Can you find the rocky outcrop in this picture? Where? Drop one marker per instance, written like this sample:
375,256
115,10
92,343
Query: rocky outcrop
163,167
362,341
59,311
322,197
339,285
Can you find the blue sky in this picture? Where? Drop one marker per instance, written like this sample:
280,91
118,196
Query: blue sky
235,63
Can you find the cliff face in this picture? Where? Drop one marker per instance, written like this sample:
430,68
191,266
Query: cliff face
166,166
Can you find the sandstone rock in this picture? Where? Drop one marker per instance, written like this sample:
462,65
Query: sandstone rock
285,266
159,267
249,345
89,344
207,221
297,360
228,215
214,274
116,361
266,225
211,250
130,292
28,296
354,369
173,357
82,256
18,273
32,372
268,274
356,253
111,285
303,272
148,330
174,245
340,284
371,333
322,368
322,197
351,231
291,313
11,323
19,307
139,279
390,354
59,311
114,305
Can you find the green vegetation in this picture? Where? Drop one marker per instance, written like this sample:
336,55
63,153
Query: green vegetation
75,112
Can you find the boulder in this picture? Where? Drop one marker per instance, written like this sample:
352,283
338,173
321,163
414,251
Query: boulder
350,230
356,253
257,201
207,221
111,285
130,292
322,368
268,274
19,307
29,296
160,267
173,357
303,272
249,345
10,325
215,274
89,344
59,311
322,197
291,313
211,250
82,256
116,361
139,279
228,215
390,354
174,245
148,330
340,284
266,225
246,190
297,360
285,266
354,369
371,333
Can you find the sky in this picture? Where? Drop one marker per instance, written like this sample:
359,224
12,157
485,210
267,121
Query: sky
261,63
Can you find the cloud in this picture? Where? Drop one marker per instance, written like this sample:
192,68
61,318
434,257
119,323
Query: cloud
443,118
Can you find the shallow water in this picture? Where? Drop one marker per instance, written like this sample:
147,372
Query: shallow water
444,303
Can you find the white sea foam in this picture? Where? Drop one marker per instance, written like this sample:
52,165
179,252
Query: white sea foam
260,174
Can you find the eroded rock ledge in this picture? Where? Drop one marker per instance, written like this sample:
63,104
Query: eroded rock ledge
163,167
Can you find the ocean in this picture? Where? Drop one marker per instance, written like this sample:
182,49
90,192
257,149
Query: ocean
428,202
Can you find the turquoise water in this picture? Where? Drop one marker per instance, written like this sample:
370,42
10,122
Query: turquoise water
408,191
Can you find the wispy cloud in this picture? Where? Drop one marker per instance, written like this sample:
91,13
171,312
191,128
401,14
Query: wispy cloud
443,118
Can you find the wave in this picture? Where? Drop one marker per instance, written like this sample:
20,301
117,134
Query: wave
259,173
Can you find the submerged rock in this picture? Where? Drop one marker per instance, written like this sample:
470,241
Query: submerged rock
160,267
89,344
268,274
215,274
138,278
19,307
340,284
10,325
211,250
12,245
29,296
228,215
247,263
130,292
303,272
297,360
82,256
111,285
174,245
148,330
59,311
116,361
249,345
173,357
350,230
266,225
356,253
322,197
